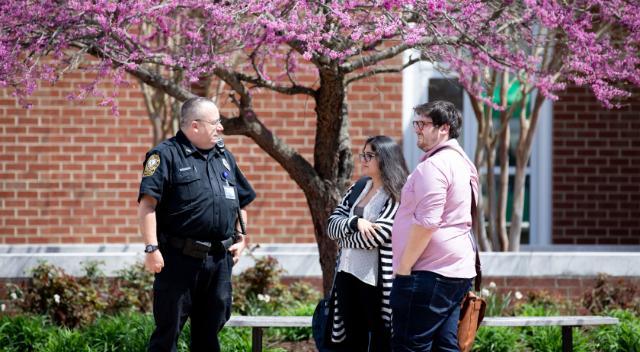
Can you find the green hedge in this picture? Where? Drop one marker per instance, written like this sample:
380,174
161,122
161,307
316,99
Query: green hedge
624,337
122,333
130,332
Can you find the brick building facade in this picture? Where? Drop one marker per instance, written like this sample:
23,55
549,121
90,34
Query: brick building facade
69,171
596,171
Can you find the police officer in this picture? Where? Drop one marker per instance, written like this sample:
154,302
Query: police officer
190,195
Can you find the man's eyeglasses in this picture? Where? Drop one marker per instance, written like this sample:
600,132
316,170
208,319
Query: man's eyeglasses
366,156
419,124
212,123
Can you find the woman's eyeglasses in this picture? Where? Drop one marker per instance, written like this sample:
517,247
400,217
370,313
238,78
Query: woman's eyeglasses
366,157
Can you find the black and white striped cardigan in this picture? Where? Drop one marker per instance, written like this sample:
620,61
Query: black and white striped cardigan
343,229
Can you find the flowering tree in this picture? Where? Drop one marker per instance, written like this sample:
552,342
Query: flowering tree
171,45
540,47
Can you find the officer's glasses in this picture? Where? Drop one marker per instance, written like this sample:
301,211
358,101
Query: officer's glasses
212,123
366,157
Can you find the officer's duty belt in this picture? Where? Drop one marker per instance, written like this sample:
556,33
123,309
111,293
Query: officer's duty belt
200,249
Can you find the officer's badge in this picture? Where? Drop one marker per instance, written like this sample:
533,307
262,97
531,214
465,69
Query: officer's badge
226,164
152,164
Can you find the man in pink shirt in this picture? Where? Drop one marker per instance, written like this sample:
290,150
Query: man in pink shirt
433,247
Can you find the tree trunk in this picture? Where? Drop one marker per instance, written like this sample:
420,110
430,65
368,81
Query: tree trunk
523,153
333,162
321,207
479,160
515,230
503,186
491,196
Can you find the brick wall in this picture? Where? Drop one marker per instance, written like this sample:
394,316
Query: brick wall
70,171
560,288
596,171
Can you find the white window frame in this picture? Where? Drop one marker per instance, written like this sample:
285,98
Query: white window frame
415,84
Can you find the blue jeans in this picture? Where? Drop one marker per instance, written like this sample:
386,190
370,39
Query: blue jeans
426,309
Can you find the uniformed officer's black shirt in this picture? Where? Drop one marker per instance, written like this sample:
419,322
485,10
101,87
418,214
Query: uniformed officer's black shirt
198,195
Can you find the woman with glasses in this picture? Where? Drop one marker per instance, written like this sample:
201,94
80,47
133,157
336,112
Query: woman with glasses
361,226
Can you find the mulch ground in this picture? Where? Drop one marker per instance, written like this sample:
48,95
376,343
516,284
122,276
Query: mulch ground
298,346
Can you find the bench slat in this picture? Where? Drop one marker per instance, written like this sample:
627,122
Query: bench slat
269,321
549,321
292,321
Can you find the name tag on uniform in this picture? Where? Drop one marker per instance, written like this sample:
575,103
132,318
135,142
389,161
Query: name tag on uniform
229,192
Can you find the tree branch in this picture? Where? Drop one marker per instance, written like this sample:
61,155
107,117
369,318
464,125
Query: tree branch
264,83
370,60
381,70
157,81
248,124
153,79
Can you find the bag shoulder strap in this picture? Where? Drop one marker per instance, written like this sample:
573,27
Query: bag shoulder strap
474,224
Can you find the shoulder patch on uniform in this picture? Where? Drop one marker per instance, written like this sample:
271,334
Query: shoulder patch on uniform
152,164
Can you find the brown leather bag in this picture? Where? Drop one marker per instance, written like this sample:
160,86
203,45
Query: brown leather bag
472,307
471,315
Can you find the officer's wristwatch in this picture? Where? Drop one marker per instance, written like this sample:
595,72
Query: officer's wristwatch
150,248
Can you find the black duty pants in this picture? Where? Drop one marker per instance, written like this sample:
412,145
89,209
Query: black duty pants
360,307
188,287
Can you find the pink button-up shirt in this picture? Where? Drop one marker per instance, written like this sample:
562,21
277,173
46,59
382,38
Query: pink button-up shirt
437,196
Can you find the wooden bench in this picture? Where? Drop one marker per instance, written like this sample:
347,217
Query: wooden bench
566,322
257,323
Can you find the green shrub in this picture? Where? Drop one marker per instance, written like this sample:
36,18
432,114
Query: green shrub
498,304
64,340
624,337
537,309
294,334
73,302
235,339
121,333
259,290
548,338
125,333
23,333
131,290
66,300
497,339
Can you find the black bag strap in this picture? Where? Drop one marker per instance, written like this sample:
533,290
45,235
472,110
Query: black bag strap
474,224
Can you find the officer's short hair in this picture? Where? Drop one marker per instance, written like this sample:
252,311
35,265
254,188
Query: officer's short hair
192,109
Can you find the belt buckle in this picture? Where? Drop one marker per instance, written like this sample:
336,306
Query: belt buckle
217,248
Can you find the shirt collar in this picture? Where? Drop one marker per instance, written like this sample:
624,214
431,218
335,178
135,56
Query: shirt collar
452,143
185,144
